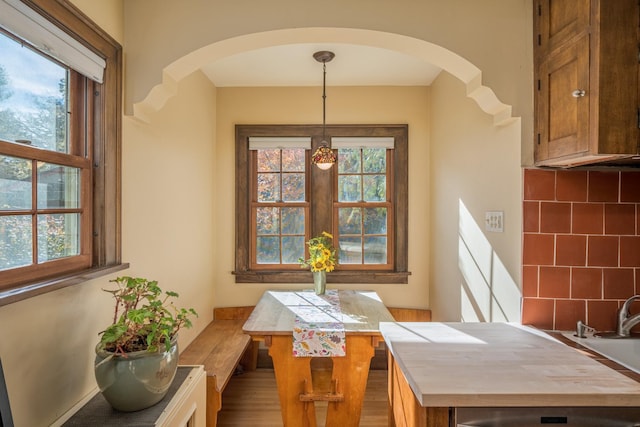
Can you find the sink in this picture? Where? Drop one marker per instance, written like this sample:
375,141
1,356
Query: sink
624,351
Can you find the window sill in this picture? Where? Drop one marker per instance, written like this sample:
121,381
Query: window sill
10,296
372,277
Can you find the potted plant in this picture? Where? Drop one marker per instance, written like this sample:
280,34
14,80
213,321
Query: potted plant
137,356
322,259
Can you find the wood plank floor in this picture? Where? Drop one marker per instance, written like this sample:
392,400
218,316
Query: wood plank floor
251,399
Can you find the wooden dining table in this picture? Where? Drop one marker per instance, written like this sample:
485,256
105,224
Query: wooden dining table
299,385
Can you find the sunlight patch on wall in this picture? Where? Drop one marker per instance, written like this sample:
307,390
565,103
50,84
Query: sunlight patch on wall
488,293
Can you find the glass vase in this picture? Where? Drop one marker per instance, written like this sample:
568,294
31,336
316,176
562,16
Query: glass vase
320,282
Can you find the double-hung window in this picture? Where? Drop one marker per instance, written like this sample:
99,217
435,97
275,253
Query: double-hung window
59,149
363,202
283,200
279,201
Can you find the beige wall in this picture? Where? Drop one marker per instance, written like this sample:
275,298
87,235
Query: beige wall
47,342
352,105
493,35
178,200
108,14
168,198
474,168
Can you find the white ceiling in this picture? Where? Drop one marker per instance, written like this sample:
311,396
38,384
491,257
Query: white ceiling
294,65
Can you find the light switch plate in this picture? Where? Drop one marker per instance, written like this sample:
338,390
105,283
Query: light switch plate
494,221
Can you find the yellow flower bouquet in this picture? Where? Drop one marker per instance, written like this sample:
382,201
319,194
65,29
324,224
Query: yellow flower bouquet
322,255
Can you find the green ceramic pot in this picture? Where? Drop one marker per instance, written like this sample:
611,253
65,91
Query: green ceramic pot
137,381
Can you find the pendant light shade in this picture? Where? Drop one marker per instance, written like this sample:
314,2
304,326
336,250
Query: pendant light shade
324,157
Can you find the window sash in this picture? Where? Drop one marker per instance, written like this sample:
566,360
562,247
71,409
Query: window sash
79,160
268,144
357,143
280,235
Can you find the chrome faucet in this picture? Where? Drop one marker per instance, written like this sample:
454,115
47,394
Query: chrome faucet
625,320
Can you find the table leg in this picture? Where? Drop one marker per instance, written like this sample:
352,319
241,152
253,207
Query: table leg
291,373
351,373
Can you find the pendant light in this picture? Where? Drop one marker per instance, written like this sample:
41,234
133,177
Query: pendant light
324,157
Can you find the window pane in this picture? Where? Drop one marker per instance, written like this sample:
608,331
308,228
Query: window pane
58,236
374,160
268,221
375,221
349,221
293,221
268,187
349,189
293,160
268,250
375,188
16,243
350,250
33,98
375,250
292,249
15,183
349,160
58,186
293,187
269,160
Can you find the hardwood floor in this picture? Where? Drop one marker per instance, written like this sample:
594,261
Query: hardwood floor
251,399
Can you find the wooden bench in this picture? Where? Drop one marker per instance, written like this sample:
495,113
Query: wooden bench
220,347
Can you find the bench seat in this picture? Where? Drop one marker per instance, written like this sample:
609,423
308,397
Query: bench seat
219,347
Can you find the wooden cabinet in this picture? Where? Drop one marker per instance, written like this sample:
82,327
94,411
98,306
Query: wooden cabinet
586,81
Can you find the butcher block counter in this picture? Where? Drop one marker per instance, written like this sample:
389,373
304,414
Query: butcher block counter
437,366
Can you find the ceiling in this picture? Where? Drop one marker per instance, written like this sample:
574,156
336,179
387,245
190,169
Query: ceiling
294,65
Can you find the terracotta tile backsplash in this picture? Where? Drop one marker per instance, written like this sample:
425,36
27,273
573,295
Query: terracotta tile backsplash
581,246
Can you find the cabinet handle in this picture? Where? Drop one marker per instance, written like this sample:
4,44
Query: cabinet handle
579,93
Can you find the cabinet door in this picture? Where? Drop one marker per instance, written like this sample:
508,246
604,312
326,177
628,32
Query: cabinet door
562,121
559,21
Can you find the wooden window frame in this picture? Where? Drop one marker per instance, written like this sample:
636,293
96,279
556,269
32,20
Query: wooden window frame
321,199
103,130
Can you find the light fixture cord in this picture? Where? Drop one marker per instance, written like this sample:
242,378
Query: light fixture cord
324,101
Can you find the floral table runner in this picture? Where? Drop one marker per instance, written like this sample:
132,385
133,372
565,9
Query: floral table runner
318,330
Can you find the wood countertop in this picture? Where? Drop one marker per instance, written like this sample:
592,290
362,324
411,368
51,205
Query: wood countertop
500,364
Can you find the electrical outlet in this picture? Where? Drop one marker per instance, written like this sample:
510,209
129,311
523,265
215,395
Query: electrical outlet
494,221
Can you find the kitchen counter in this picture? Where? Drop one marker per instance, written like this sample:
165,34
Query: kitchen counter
497,365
